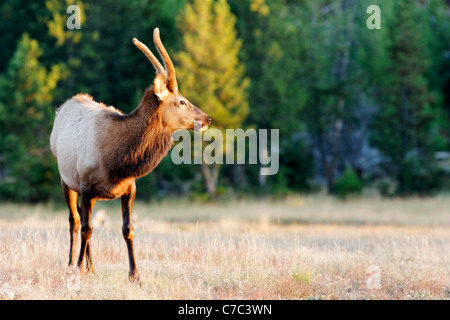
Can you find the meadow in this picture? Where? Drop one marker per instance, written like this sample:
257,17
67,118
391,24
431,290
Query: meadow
302,247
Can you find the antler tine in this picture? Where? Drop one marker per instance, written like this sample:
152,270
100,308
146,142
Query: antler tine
171,79
158,67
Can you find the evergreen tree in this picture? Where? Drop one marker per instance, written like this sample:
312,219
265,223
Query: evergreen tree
274,46
273,50
403,127
28,170
333,80
19,16
209,70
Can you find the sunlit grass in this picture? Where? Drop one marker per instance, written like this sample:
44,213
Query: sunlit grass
299,248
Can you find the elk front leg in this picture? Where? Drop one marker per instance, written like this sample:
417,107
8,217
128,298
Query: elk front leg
74,219
87,203
128,231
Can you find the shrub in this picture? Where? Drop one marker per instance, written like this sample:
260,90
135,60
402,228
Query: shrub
349,183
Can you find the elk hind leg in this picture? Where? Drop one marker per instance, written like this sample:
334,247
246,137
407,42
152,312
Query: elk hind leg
74,219
89,261
87,203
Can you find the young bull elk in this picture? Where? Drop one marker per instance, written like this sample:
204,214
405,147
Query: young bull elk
101,151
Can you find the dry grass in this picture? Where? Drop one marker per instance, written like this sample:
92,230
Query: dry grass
300,248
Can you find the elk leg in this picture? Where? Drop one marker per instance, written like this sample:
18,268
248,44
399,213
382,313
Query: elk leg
128,231
87,203
89,262
74,219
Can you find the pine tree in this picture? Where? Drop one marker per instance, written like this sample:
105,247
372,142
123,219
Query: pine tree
27,167
19,16
275,44
403,127
333,79
209,70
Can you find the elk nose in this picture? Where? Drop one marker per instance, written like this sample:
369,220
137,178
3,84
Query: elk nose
209,120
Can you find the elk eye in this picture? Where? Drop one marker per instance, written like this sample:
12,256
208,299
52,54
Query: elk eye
182,104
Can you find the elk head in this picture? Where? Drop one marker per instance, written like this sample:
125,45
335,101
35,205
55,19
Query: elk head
176,111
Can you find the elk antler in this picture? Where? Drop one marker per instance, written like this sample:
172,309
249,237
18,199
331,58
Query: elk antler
158,67
171,79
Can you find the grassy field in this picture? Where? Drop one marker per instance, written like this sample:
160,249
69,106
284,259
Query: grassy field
312,247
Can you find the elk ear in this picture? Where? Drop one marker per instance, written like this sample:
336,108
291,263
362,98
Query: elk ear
160,87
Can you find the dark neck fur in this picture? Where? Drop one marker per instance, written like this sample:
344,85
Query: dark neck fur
146,141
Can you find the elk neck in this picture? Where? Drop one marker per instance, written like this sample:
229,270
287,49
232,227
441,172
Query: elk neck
141,141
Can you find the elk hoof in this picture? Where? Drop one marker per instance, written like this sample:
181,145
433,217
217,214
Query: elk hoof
135,278
90,268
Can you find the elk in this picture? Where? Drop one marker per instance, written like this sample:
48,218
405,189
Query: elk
101,151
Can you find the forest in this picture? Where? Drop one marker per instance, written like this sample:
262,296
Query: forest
357,108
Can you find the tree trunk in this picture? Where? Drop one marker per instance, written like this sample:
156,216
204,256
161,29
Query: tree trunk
238,175
211,174
343,62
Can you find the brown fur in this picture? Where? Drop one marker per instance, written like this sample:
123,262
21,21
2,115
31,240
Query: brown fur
134,144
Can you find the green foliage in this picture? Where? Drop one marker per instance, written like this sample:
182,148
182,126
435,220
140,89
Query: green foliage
297,162
209,70
309,68
406,128
420,177
273,53
280,187
26,116
19,16
348,184
57,24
